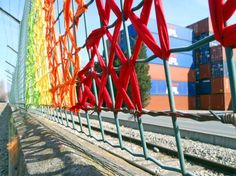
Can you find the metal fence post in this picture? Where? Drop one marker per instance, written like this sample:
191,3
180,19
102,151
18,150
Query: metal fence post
111,90
174,119
80,122
118,130
143,140
62,121
101,126
48,112
88,123
94,84
67,122
127,40
72,118
53,115
55,111
232,75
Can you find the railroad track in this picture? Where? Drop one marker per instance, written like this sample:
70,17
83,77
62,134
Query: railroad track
194,164
204,162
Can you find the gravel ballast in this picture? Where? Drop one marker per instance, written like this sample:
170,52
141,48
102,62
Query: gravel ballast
215,153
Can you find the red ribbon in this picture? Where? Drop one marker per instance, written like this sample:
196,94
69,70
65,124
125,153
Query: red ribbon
127,76
220,12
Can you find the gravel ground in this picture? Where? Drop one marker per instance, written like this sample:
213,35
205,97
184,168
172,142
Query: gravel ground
212,152
3,144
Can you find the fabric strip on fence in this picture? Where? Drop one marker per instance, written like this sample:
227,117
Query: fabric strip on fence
220,12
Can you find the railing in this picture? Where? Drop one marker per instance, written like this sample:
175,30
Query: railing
20,87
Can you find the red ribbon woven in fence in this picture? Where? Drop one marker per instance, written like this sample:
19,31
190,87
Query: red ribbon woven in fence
127,74
220,12
144,33
101,80
115,49
85,96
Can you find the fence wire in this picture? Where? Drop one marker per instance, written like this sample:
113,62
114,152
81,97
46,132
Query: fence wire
48,73
17,93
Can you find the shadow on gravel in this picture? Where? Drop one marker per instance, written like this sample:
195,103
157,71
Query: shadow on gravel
48,154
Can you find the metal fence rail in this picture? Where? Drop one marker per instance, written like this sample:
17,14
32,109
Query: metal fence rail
17,94
19,83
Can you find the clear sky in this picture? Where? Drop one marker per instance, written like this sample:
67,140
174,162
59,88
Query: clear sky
180,12
9,33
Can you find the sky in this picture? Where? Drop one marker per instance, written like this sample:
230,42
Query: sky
9,34
177,12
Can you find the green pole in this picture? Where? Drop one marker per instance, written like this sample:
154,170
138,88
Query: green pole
118,130
67,122
88,123
101,126
58,121
48,111
54,118
143,140
174,119
62,121
111,86
54,115
111,90
94,84
59,28
80,122
232,75
127,40
72,118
